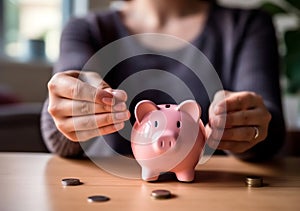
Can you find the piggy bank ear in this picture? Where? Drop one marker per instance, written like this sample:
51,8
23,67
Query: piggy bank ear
142,108
192,108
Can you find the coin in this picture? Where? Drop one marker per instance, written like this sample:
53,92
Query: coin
161,194
254,181
98,198
70,182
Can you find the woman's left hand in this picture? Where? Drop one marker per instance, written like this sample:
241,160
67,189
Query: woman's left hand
239,120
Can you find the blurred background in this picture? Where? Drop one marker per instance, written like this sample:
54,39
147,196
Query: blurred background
29,45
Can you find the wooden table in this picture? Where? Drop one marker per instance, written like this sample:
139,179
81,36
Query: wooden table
33,182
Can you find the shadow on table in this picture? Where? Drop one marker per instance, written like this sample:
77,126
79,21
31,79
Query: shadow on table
217,178
214,178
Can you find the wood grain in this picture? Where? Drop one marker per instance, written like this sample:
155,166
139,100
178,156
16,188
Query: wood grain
32,181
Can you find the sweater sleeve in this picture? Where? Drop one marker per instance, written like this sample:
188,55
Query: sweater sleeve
75,50
257,70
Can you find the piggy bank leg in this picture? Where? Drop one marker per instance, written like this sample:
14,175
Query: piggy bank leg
148,175
186,175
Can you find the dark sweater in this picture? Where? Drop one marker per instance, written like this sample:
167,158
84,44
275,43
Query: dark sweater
240,44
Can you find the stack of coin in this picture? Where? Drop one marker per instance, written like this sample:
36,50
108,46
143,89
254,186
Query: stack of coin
254,181
161,194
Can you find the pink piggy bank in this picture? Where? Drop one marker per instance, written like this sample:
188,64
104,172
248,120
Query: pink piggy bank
168,138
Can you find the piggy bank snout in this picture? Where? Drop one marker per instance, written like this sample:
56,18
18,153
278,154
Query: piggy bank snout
164,143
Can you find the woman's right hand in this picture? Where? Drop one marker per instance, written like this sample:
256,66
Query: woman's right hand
83,106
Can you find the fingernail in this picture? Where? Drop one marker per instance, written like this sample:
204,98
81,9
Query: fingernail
119,126
120,95
120,107
108,100
122,116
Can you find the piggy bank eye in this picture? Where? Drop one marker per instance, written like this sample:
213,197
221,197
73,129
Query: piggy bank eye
179,124
156,124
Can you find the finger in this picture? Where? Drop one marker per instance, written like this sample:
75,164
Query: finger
90,122
247,117
72,88
89,134
237,101
237,134
68,108
239,118
83,108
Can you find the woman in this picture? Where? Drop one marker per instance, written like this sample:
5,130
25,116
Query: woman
240,44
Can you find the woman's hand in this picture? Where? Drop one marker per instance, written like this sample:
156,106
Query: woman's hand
239,120
83,106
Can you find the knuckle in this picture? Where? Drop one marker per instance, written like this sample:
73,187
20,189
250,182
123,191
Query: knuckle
265,116
226,101
51,86
239,99
52,83
245,118
260,98
74,91
72,136
83,123
102,120
85,108
106,108
56,109
53,109
109,118
61,126
251,94
89,122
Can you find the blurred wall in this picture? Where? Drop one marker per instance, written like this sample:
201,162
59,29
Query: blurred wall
28,81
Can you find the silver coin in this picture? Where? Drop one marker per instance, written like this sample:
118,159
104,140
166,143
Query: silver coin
161,194
98,198
254,181
70,182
